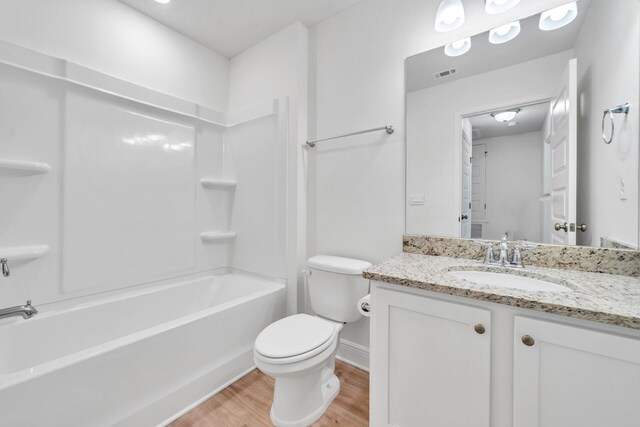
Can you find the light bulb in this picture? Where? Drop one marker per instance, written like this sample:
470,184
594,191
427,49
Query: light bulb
558,13
504,33
450,15
457,48
558,17
505,116
498,6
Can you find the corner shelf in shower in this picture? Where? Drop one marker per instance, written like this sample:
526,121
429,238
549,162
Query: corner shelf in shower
23,253
217,236
23,168
218,184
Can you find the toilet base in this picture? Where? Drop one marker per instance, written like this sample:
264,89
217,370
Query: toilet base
330,390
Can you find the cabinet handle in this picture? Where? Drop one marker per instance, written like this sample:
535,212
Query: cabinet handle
479,329
528,340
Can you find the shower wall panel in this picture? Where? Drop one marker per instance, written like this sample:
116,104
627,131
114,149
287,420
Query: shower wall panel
29,205
256,153
122,191
129,193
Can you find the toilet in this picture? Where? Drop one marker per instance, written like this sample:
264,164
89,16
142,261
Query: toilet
299,351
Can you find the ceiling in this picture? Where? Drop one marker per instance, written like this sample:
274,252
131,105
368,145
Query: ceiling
483,57
231,26
529,119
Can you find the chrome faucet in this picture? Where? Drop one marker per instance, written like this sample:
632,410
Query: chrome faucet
503,259
504,250
26,311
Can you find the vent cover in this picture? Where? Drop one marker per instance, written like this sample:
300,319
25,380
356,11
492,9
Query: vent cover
476,134
445,73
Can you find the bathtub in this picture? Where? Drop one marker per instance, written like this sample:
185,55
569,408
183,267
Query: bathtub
141,358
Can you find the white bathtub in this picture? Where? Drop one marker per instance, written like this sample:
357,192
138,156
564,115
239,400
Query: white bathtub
136,359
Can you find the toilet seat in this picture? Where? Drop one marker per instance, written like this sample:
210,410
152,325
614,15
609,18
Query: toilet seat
295,338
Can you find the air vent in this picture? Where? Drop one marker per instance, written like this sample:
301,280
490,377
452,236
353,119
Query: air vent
476,134
445,73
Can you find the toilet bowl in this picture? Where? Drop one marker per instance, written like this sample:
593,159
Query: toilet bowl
299,350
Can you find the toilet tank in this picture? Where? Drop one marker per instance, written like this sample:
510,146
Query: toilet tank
335,286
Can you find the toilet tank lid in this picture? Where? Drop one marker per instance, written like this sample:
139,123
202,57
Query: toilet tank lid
337,264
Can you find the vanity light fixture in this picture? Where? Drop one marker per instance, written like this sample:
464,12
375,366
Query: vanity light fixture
558,17
504,33
458,48
498,6
450,15
505,116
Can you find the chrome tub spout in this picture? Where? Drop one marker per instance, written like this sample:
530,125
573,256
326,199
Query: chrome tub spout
26,311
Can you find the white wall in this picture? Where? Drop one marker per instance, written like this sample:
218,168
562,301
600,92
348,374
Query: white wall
115,39
278,67
356,192
514,186
608,61
431,116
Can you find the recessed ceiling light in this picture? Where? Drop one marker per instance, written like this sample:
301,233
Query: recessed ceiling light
558,17
505,116
504,33
450,15
458,48
498,6
163,1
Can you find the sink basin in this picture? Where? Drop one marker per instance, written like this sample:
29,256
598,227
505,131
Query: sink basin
509,280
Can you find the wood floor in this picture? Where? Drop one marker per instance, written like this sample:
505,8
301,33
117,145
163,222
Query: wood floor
247,402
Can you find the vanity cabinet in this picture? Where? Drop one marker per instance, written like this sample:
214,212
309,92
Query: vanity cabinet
430,363
571,376
431,366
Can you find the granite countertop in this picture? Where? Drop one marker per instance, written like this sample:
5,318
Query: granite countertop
605,298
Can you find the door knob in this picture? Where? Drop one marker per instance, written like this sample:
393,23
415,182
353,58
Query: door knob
582,227
479,329
465,217
559,227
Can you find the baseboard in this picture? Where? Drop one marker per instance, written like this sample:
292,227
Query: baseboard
353,354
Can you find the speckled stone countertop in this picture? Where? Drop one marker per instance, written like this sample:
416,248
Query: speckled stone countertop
605,298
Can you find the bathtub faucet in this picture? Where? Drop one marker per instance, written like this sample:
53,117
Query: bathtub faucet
26,311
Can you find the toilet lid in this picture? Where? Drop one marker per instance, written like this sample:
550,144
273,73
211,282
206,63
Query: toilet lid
293,336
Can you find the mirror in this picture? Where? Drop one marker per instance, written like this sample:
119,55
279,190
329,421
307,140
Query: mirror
506,134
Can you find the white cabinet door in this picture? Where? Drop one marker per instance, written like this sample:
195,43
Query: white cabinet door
430,362
574,377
